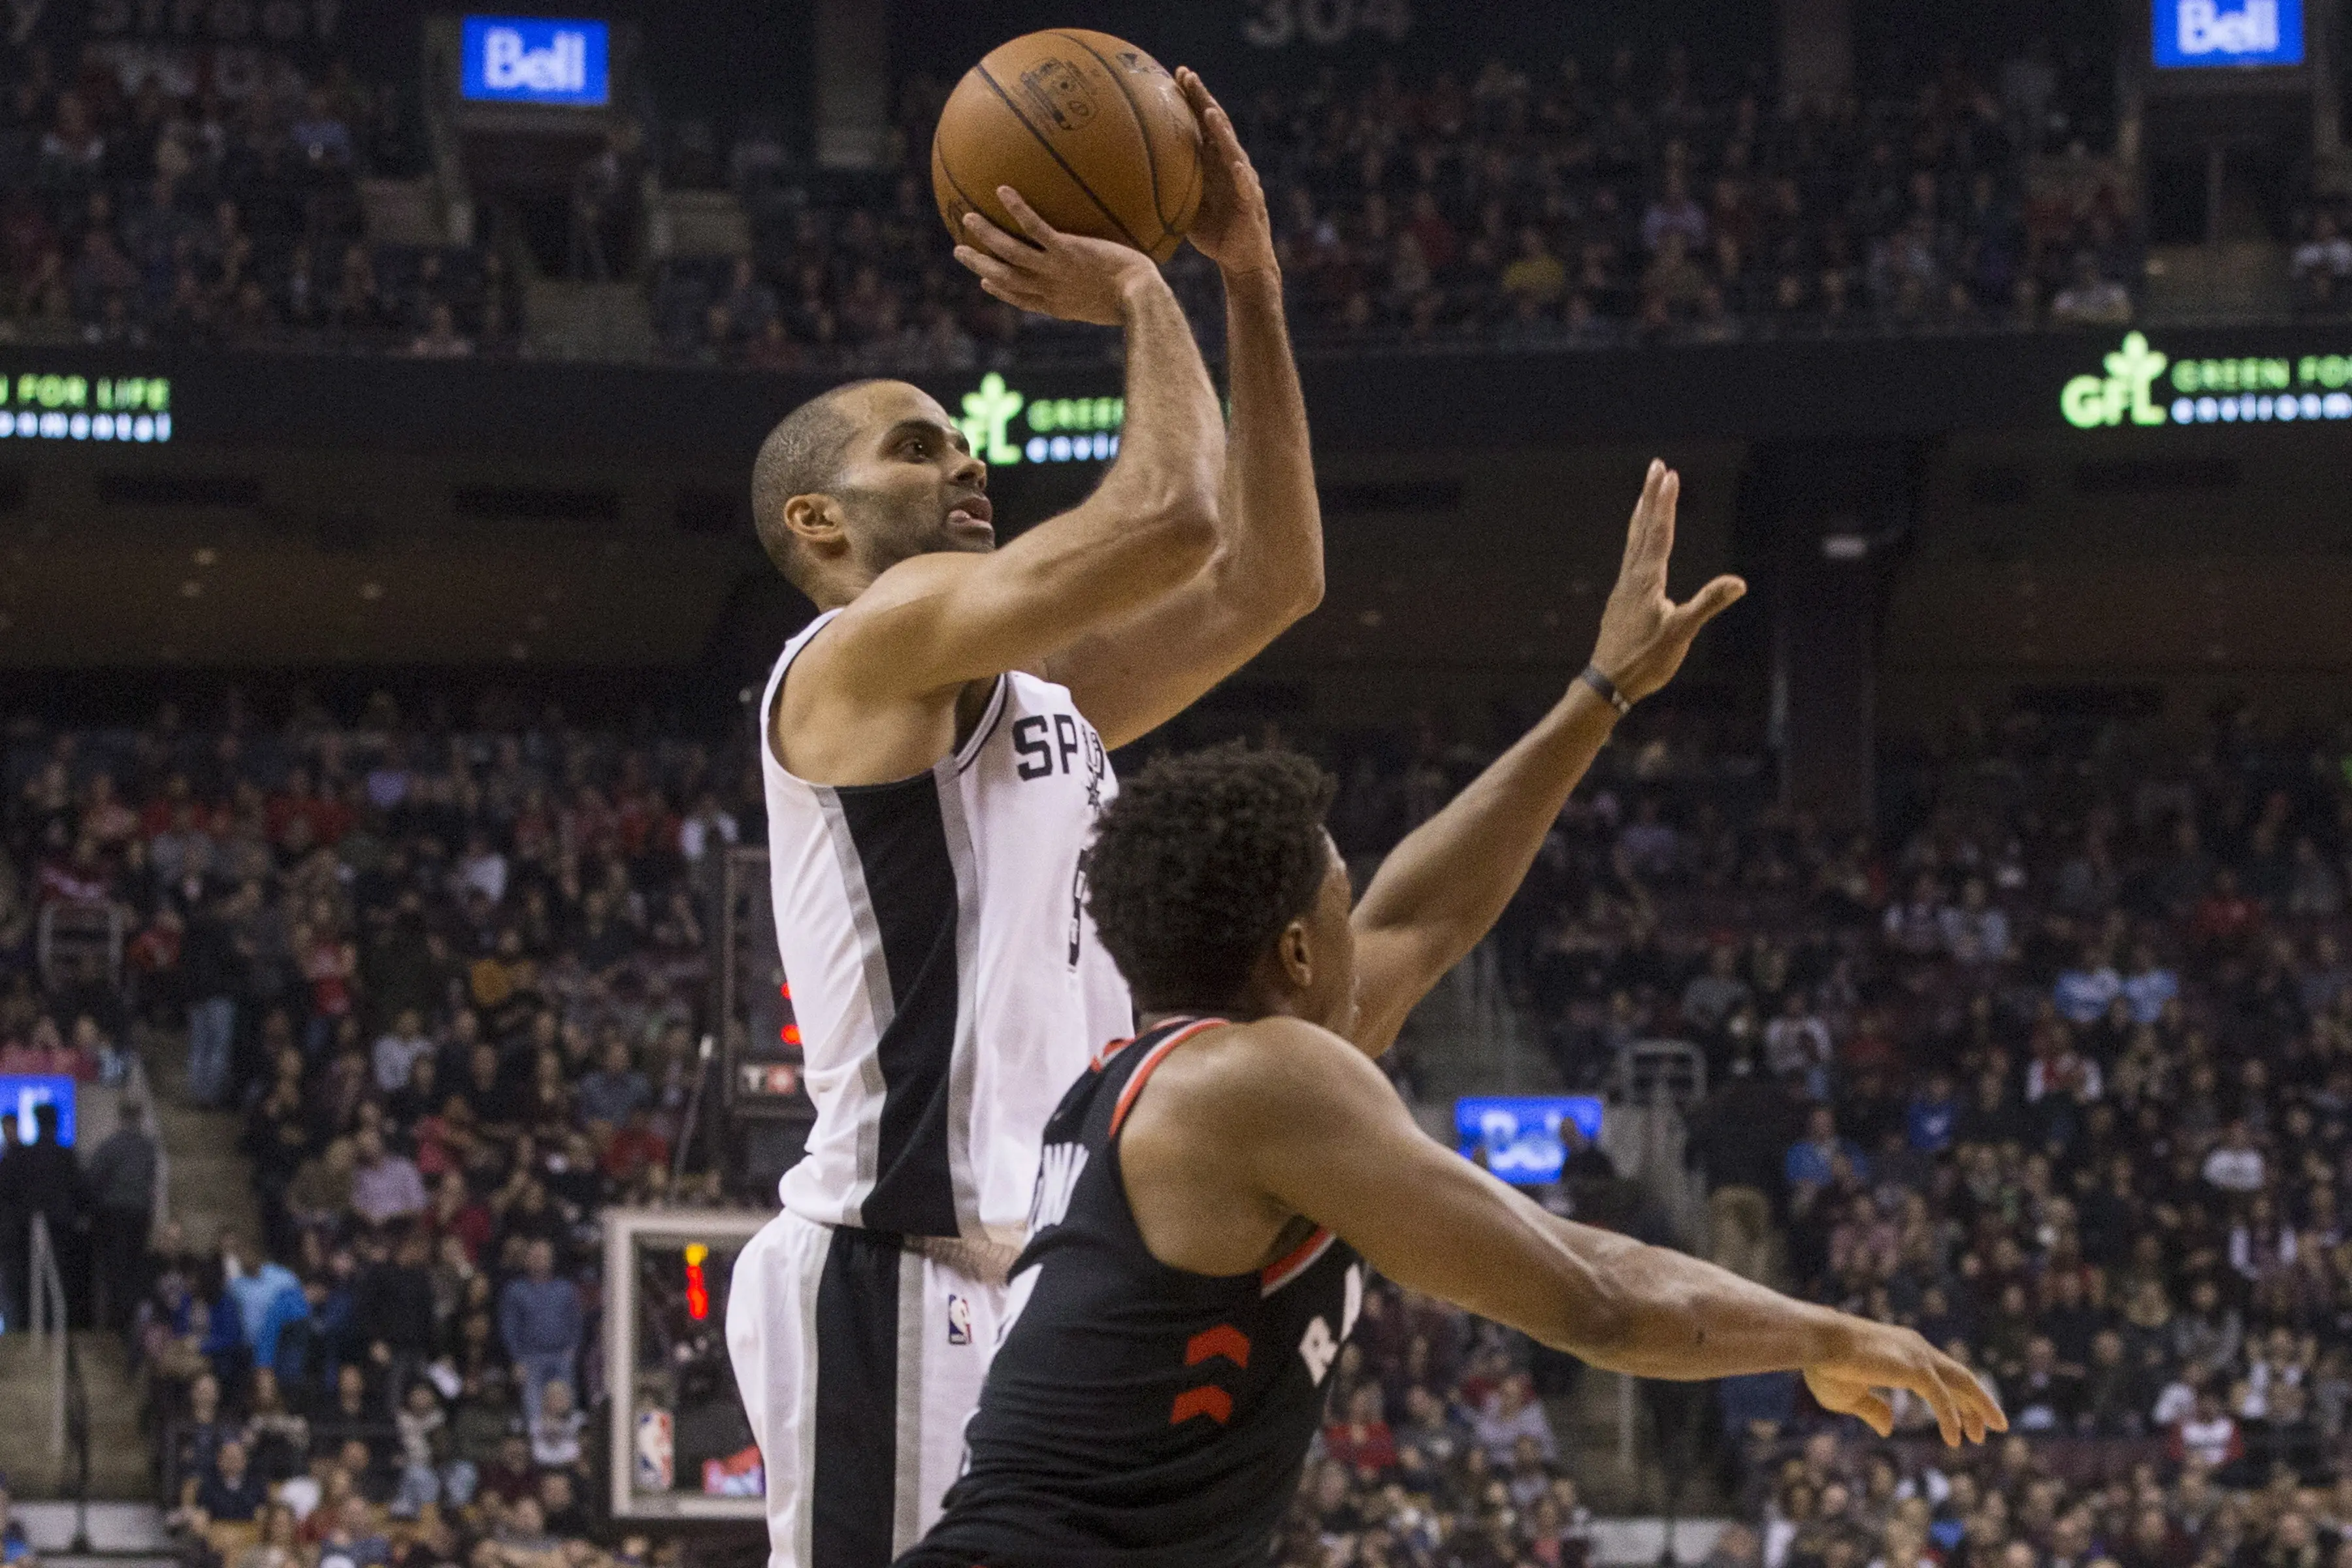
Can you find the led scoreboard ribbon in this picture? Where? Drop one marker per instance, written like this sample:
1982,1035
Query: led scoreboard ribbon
2239,389
37,406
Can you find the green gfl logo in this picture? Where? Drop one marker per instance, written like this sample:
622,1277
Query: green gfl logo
986,413
2090,402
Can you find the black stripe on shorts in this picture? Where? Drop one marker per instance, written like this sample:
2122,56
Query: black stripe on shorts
854,1506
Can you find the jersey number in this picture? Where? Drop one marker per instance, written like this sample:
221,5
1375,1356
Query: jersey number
1319,1348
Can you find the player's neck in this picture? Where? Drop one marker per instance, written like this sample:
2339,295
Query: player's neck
1246,1010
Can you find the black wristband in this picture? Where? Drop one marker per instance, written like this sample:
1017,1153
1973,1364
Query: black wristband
1606,688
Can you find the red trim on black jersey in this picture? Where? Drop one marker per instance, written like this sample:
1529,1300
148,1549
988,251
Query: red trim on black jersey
1302,1257
1207,1400
1151,1064
1112,1048
1224,1339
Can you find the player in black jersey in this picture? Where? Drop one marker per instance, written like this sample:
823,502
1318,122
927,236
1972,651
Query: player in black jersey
1212,1193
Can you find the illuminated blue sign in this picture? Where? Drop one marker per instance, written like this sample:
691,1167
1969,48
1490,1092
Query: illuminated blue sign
1517,1137
20,1092
2229,32
528,59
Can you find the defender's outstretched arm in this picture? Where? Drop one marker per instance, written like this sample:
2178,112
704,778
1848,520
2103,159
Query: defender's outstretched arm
1319,1132
1444,887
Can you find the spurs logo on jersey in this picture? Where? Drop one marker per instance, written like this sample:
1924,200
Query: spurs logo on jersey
947,985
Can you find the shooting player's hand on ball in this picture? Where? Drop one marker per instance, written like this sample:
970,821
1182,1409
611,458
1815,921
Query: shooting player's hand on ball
1070,276
1232,229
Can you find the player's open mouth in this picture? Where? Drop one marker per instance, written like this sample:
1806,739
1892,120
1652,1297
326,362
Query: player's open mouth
976,514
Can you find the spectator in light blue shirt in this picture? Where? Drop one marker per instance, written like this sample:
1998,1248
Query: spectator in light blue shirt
2084,991
1932,1115
540,1320
616,1089
1813,1161
2149,986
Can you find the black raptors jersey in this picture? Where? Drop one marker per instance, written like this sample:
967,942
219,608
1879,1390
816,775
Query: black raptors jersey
1135,1413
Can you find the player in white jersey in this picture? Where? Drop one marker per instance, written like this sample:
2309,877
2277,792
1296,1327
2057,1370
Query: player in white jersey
934,755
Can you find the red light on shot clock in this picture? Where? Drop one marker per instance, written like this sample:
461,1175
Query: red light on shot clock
698,1293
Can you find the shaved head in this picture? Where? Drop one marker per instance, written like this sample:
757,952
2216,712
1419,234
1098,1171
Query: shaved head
801,456
864,477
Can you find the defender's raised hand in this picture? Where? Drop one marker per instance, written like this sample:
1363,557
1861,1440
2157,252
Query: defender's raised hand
1232,228
1071,276
1644,634
1869,1357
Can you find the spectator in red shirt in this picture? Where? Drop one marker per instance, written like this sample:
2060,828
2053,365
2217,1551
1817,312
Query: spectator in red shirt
82,877
2225,918
634,1147
1362,1442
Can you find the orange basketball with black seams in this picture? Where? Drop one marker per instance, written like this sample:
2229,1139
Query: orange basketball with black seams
1092,132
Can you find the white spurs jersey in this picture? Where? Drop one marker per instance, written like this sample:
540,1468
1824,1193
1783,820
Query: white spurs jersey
946,977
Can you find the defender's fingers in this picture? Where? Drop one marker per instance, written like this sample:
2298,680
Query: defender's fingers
1707,604
1637,531
1982,1407
1873,1413
1930,1387
1661,538
1035,227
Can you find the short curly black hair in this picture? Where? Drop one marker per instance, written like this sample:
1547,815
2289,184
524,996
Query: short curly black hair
1198,865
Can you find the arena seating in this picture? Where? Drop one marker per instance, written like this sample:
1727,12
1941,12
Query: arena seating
1537,203
2054,1068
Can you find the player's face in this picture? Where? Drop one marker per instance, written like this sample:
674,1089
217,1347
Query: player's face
909,485
1330,998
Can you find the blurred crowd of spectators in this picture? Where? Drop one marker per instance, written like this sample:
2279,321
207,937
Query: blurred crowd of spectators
448,979
1523,203
2323,260
2058,1069
140,204
1519,206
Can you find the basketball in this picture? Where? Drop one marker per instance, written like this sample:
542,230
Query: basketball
1092,132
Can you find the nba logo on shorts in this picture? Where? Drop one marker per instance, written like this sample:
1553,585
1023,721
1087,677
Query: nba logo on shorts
959,1321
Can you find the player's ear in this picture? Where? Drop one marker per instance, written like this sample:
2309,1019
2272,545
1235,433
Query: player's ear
1295,951
815,520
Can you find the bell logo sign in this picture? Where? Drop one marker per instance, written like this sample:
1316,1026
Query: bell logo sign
2090,402
508,62
522,59
2218,33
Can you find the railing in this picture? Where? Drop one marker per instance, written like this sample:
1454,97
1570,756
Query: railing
68,1395
1653,1084
69,926
136,1087
45,1289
